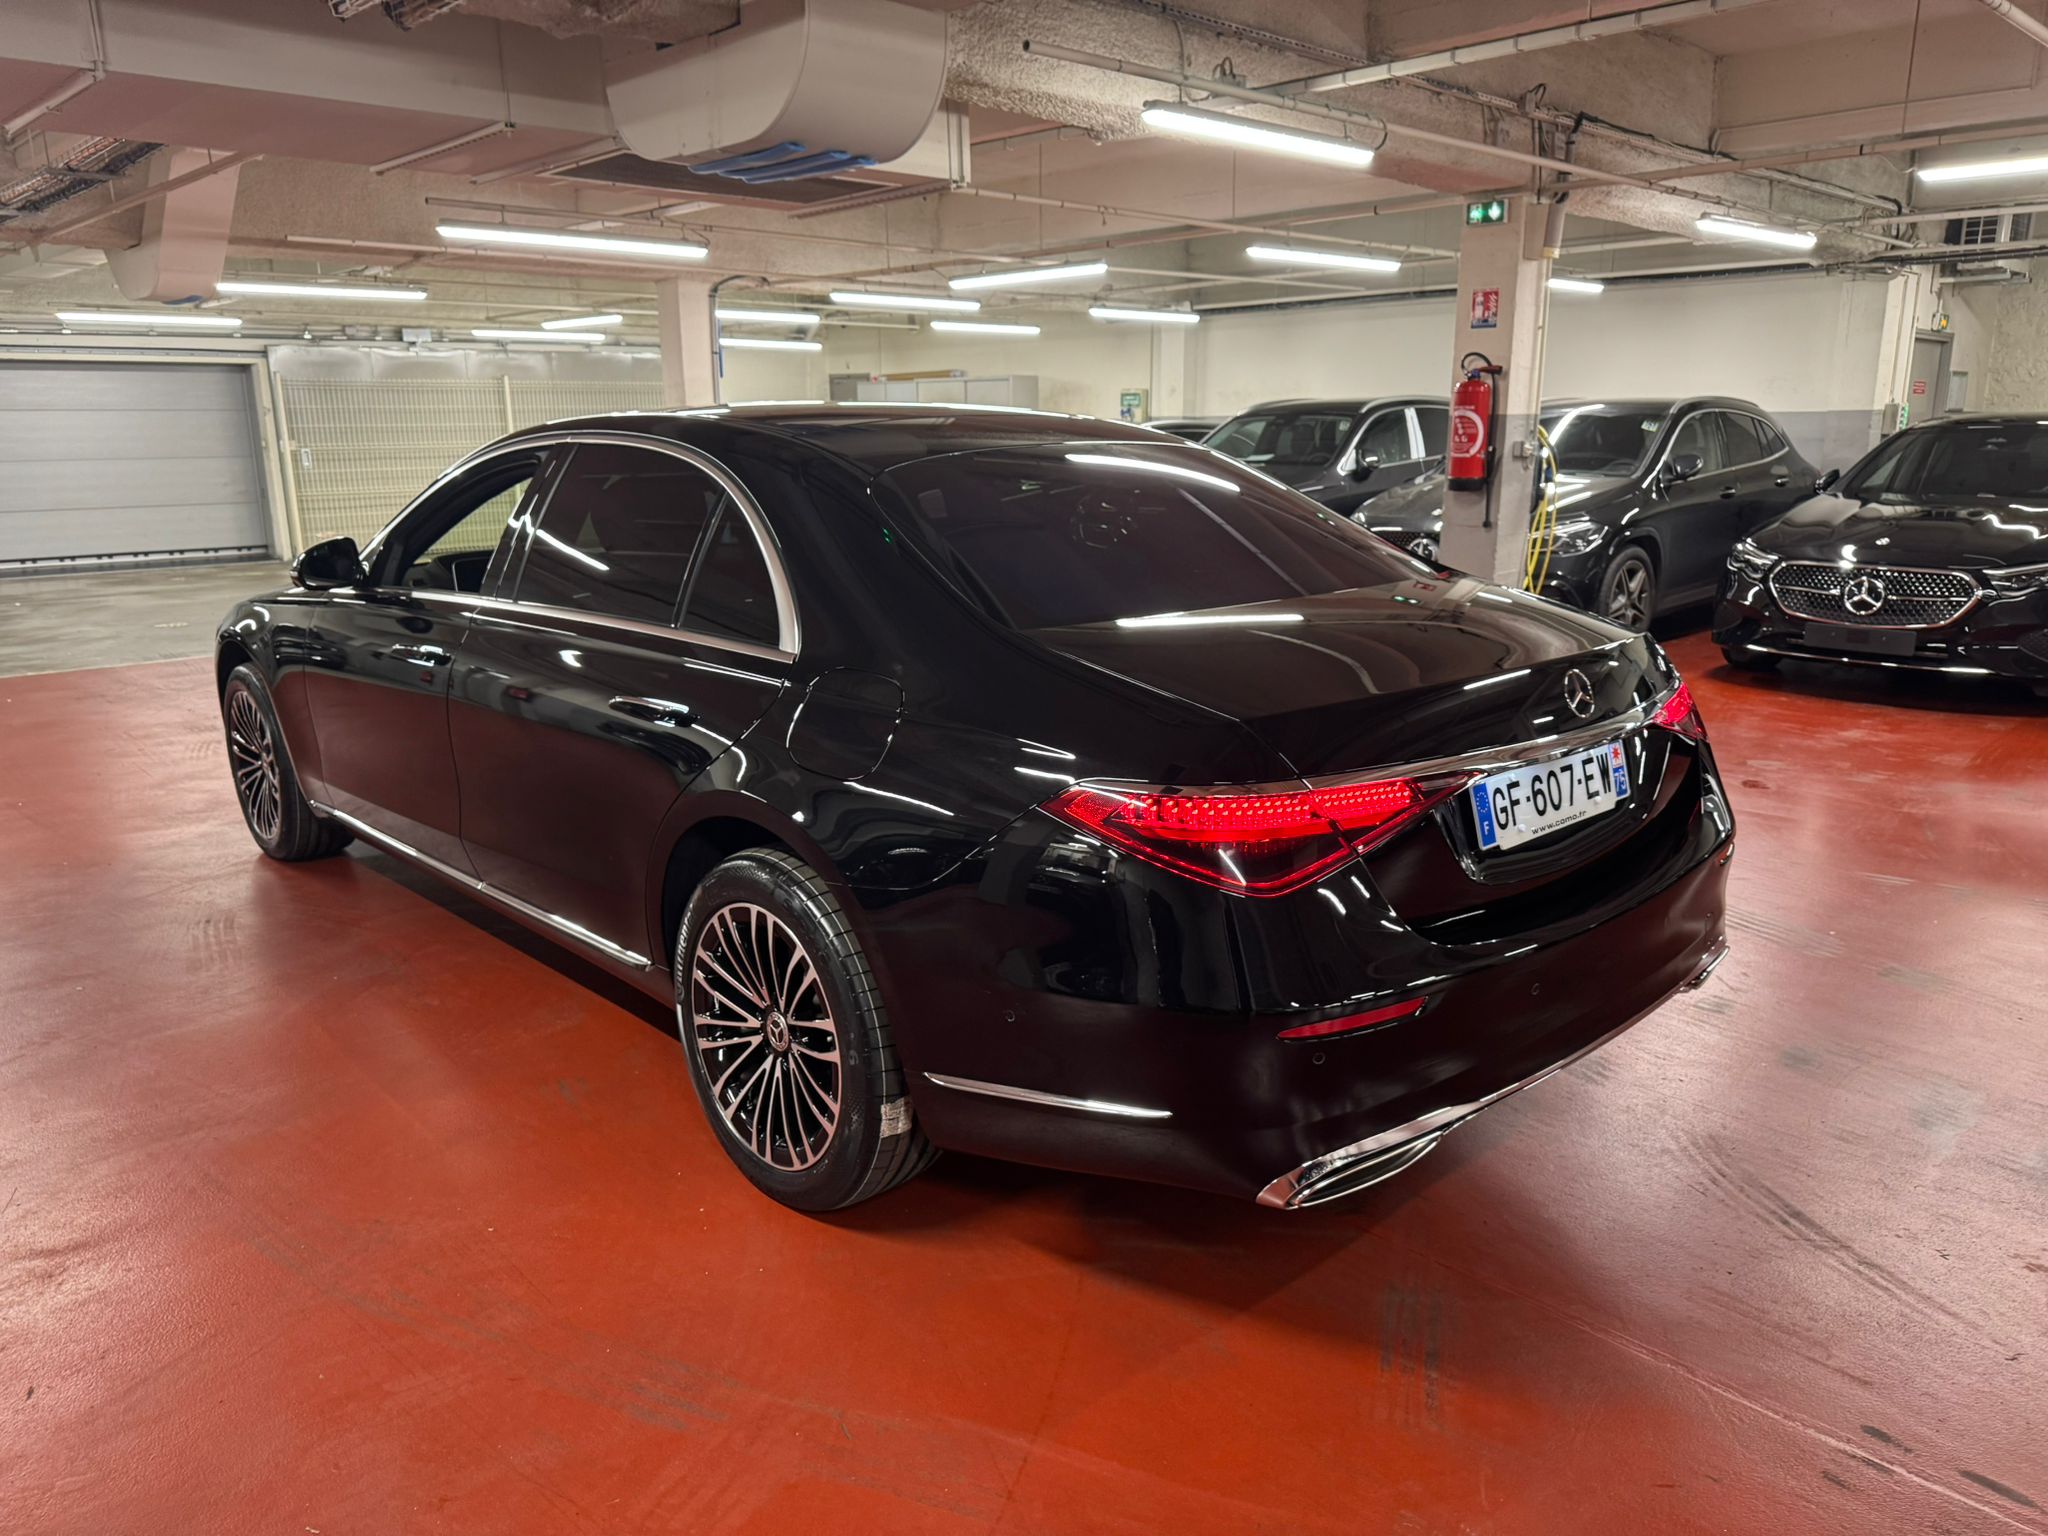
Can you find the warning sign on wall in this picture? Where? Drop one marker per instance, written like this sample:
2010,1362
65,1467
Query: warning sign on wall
1485,308
1919,386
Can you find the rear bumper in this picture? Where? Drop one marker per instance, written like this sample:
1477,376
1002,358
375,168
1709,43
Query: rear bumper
2003,637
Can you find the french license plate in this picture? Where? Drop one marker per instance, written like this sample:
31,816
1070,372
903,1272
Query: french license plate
1525,803
1854,637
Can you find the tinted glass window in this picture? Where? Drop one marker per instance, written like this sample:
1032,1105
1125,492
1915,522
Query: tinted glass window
618,532
1435,422
1969,461
436,554
1287,440
1079,535
1592,440
1744,442
731,594
1386,438
1696,435
1773,440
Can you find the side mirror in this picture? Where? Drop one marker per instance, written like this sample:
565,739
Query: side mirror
1682,466
330,563
1826,480
1366,467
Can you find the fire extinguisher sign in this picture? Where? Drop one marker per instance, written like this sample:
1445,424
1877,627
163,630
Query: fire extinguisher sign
1468,432
1485,309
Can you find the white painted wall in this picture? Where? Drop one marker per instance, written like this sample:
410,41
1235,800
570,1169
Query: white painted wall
2009,361
1082,365
1235,361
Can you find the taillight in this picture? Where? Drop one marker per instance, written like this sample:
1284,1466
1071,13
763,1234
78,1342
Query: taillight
1352,1022
1261,841
1679,713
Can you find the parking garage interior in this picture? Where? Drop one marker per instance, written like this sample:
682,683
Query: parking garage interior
336,1197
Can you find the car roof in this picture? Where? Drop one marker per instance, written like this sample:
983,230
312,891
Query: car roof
1664,403
1352,403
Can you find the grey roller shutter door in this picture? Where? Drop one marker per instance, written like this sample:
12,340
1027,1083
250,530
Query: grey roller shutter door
101,462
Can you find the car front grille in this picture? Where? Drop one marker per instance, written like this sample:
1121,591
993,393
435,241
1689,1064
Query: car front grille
1877,596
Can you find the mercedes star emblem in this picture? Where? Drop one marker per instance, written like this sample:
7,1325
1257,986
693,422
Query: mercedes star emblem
1578,693
1864,594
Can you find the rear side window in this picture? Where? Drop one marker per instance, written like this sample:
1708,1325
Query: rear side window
1091,533
730,594
618,533
1435,422
1745,442
1773,439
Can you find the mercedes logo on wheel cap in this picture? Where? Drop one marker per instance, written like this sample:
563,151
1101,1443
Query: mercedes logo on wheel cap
1578,693
1864,594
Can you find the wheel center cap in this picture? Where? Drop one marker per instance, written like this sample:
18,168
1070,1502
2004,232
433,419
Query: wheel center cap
778,1032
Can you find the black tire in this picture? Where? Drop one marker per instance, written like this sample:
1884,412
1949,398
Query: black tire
755,1031
1628,588
1750,661
274,808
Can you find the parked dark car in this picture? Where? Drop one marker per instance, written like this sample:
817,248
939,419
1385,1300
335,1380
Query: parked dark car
1340,452
1024,785
1931,553
1651,496
1192,428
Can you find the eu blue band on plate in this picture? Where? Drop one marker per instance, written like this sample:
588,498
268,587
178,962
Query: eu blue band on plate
1482,808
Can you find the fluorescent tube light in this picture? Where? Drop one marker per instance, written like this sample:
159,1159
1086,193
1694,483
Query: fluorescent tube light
1293,256
1576,285
770,316
317,291
1024,277
564,240
582,322
1759,234
906,303
984,328
488,334
770,344
1986,170
1191,123
1144,316
143,318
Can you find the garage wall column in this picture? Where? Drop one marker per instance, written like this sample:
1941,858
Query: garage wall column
1502,311
688,334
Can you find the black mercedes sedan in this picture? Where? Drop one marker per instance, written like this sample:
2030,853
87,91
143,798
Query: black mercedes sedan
1650,496
1931,554
1021,784
1339,452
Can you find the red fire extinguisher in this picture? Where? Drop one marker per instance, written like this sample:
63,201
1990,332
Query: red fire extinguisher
1471,456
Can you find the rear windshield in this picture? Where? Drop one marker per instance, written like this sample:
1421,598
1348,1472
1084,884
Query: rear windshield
1282,441
1085,533
1594,440
1965,461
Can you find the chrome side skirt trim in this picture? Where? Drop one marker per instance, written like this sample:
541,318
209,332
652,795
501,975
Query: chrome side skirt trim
1833,659
1295,1189
469,882
1048,1100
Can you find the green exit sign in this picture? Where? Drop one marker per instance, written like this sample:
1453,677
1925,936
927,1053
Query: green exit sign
1493,211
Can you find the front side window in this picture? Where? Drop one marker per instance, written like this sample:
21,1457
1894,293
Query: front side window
1287,441
1696,434
1386,439
618,533
1593,440
1086,534
448,546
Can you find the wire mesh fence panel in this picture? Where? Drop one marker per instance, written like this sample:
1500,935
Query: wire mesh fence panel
360,450
538,401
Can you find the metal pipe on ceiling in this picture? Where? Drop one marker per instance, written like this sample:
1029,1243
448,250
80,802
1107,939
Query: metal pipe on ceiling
48,232
76,85
2005,10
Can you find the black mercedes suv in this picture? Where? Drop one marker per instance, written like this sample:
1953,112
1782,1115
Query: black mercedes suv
1015,783
1339,452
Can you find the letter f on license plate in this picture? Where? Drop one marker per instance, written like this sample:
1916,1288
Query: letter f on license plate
1526,803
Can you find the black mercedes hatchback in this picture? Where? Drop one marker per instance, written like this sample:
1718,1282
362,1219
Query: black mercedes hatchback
1930,554
1650,495
1026,785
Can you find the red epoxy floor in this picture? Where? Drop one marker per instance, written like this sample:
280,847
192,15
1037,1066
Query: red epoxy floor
328,1203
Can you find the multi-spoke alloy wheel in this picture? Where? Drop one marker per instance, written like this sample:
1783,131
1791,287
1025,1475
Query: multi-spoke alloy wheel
253,752
761,1022
1629,592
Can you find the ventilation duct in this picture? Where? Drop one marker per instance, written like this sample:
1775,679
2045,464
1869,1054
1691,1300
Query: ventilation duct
798,88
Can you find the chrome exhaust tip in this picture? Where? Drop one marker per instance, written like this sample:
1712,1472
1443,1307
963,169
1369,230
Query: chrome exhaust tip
1713,958
1338,1175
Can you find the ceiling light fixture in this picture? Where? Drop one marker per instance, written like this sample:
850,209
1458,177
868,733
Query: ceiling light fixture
770,344
907,303
1986,170
1217,128
984,327
1294,256
562,240
1758,234
1576,285
488,334
317,291
582,322
1144,316
770,316
1024,277
142,318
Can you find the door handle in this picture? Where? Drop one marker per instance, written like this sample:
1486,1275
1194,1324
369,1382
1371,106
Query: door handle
425,655
1728,492
653,711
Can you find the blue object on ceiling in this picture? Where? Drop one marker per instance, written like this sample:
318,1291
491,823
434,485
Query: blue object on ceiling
782,162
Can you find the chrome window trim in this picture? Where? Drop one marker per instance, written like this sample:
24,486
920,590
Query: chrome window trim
1043,1100
513,610
789,630
469,882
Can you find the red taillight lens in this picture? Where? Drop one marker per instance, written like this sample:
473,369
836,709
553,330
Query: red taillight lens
1679,713
1371,1019
1260,842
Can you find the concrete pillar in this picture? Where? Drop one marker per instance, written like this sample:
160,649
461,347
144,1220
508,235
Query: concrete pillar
688,333
1503,304
1170,393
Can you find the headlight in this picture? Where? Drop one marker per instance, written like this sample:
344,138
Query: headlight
1577,538
2018,580
1747,559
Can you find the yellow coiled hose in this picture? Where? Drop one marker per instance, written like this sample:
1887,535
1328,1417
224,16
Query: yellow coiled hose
1543,521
